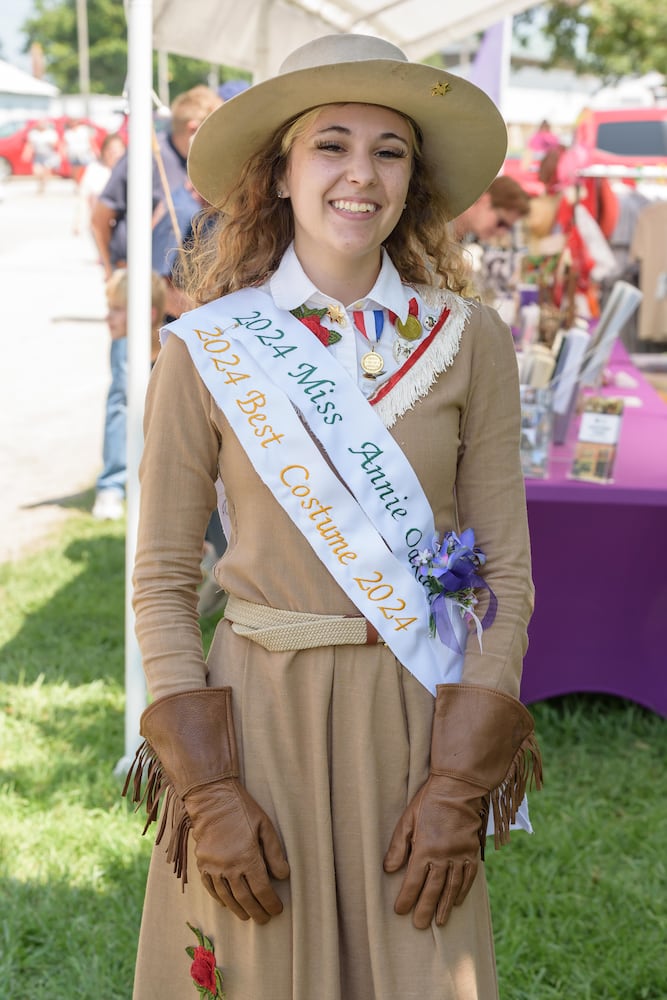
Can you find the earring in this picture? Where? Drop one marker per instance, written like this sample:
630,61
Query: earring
280,193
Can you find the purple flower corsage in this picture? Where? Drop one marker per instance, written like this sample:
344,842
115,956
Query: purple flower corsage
449,570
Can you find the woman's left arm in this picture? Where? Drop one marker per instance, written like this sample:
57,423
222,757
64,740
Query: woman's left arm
490,498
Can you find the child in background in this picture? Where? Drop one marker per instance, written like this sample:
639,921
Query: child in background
80,147
111,481
43,150
93,180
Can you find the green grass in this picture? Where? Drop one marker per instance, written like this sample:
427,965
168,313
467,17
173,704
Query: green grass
72,862
580,909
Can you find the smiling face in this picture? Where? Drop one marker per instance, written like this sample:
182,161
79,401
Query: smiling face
347,177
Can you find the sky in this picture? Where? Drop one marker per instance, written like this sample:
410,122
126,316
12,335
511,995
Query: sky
13,13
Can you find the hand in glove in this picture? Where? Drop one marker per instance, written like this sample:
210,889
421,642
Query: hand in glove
483,749
237,848
190,757
439,837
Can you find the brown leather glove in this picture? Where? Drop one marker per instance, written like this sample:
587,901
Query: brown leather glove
190,757
483,750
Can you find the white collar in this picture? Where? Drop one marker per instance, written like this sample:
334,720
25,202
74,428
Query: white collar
291,287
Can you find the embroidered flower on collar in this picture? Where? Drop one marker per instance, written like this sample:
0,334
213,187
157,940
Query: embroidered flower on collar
312,319
206,977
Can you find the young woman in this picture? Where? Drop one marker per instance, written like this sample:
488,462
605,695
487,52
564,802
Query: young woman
326,774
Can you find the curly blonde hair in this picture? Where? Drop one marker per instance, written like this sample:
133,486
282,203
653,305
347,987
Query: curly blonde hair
240,243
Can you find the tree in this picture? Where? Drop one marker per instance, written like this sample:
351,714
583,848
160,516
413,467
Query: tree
54,27
609,38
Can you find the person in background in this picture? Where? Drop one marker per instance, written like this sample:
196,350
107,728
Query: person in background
109,224
489,233
79,147
109,220
110,485
326,773
172,225
230,88
499,208
542,140
575,218
93,180
43,150
172,232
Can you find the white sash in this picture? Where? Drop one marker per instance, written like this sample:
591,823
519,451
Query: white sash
254,359
365,455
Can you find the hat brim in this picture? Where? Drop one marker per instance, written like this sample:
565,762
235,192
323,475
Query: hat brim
464,134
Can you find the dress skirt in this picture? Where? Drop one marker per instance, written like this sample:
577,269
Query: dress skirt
333,743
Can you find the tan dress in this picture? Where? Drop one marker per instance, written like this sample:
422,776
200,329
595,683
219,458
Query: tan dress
333,742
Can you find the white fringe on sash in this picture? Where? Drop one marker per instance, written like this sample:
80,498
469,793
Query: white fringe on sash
439,355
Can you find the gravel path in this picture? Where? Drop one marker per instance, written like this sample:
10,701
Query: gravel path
54,368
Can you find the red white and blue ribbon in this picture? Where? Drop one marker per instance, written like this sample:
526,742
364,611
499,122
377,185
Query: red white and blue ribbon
369,321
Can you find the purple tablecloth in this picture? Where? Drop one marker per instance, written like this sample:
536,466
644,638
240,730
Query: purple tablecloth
600,563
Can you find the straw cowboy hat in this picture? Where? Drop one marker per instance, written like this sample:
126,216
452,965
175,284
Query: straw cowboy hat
464,135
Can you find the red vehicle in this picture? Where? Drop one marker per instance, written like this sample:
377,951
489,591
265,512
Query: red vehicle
627,137
14,137
621,138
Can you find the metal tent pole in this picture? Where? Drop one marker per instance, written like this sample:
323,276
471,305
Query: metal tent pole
140,86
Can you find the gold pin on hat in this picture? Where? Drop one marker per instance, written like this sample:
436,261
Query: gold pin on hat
439,89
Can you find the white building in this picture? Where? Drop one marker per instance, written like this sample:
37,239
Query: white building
23,95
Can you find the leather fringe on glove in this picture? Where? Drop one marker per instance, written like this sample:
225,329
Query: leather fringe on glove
189,763
151,787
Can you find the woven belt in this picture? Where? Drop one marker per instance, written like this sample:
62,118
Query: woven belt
281,631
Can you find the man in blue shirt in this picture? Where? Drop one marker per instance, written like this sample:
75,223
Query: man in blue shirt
109,223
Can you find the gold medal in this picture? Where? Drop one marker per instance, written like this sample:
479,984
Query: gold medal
410,330
372,364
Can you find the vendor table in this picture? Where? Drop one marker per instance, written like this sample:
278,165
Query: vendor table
600,561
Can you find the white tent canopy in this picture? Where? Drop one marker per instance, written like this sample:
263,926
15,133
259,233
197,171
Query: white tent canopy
254,35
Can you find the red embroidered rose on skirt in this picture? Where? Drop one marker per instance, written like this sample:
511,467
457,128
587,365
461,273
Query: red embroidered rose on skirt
206,977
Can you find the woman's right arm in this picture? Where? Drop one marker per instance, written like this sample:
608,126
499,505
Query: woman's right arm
177,475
